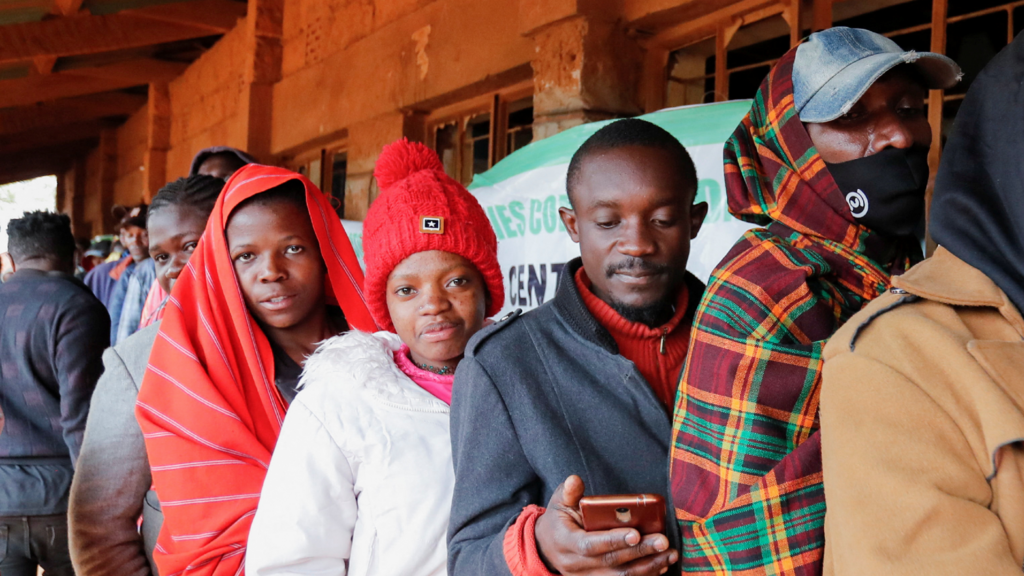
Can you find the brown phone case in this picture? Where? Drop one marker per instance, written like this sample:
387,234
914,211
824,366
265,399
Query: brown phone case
645,512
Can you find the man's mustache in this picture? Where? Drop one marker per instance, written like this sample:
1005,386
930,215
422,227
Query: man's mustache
634,264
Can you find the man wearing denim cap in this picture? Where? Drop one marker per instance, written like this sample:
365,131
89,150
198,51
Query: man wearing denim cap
831,162
861,98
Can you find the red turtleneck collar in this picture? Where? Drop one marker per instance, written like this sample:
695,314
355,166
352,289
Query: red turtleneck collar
657,352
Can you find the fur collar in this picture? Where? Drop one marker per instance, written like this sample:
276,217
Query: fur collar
360,360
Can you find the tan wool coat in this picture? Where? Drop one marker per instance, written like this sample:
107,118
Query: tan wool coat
922,429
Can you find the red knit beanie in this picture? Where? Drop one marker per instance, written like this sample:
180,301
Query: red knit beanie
420,209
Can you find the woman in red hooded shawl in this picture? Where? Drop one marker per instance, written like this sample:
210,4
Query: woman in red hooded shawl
211,404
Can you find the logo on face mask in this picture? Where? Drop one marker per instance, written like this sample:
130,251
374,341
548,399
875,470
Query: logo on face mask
858,202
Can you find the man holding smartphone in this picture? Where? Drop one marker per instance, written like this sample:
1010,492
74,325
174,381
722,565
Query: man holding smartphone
575,396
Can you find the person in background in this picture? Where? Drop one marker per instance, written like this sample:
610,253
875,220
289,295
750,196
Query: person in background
577,394
142,279
100,280
52,334
219,161
111,488
132,232
921,411
117,251
81,247
262,288
153,309
95,254
104,276
832,161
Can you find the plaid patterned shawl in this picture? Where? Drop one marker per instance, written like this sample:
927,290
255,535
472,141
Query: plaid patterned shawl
746,461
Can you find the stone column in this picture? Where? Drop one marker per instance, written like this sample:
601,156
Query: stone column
158,140
585,67
71,197
107,176
262,71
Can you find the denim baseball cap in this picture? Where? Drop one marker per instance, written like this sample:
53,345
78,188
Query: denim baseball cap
835,67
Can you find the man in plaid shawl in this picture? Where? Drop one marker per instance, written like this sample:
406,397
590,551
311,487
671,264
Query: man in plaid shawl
837,127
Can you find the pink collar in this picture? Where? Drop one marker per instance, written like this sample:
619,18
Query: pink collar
439,386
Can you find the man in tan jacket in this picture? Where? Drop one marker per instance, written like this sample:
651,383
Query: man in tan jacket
922,407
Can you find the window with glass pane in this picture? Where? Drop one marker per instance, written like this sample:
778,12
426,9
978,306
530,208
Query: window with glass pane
520,125
472,141
882,16
961,7
315,173
691,75
476,153
338,169
446,144
972,42
752,53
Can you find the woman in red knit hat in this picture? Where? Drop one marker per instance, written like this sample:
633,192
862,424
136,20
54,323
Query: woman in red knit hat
361,481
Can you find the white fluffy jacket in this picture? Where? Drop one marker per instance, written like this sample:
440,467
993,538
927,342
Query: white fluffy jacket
361,480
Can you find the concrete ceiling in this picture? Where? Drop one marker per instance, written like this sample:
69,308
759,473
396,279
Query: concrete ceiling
70,68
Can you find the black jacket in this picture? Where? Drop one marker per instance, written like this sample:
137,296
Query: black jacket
537,398
52,335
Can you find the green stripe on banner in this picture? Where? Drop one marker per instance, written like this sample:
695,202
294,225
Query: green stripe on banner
692,125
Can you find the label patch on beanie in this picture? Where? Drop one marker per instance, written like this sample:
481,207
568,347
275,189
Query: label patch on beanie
431,225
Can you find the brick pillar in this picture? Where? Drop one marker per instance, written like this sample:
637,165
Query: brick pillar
262,69
71,197
158,140
107,177
365,141
75,197
62,194
585,68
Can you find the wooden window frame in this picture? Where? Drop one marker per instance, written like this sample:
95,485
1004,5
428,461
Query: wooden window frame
723,24
325,155
495,104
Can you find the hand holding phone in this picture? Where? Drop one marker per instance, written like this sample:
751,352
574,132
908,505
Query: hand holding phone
568,549
645,512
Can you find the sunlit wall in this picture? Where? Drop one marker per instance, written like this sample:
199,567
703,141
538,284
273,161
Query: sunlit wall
27,195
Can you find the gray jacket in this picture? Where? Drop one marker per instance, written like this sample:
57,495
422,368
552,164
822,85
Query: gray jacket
537,398
112,479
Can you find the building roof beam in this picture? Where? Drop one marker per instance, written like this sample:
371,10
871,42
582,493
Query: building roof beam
66,7
86,34
82,81
49,115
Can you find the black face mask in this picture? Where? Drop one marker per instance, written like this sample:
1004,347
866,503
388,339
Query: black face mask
885,191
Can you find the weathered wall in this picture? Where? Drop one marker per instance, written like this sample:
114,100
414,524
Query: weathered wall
93,213
71,198
131,149
205,102
94,187
334,74
296,75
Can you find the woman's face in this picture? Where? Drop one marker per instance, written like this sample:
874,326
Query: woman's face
437,302
277,260
174,232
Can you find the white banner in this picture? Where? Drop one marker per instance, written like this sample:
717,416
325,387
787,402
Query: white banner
533,245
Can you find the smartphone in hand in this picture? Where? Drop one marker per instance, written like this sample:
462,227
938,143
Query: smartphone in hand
645,512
